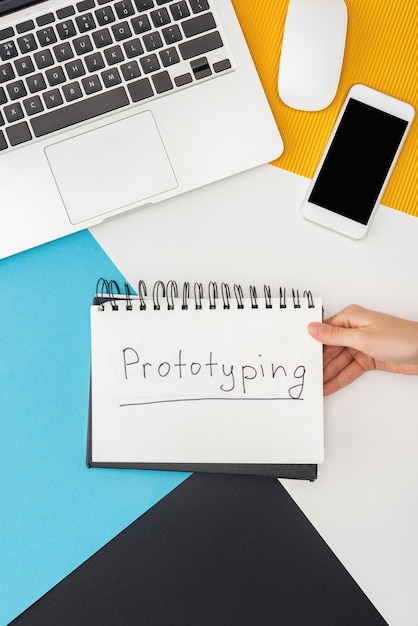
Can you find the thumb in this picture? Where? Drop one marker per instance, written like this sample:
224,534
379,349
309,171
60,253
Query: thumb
332,335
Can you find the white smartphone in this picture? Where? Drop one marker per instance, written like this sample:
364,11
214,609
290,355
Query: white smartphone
358,160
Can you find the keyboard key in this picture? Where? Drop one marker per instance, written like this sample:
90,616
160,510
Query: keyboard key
160,17
111,77
141,24
114,55
75,69
143,5
200,68
43,20
172,34
121,31
13,112
199,5
43,59
19,133
150,63
6,72
169,57
55,76
36,83
6,33
124,9
102,38
52,98
182,80
200,45
198,25
3,97
85,5
130,70
23,27
24,66
105,16
16,90
27,43
152,41
85,22
179,10
3,142
94,62
221,66
92,84
140,89
72,92
65,12
66,29
82,45
133,48
8,51
79,111
33,105
162,82
63,52
46,36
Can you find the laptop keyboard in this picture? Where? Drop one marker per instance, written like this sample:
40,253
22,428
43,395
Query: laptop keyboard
97,56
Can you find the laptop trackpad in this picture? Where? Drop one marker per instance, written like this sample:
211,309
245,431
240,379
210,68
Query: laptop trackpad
119,165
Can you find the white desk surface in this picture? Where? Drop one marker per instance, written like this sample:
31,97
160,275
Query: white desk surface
247,229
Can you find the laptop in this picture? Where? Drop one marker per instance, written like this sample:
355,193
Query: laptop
107,106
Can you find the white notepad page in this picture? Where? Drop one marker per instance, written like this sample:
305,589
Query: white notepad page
237,385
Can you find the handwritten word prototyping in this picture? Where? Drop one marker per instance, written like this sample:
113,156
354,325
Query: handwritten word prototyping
284,382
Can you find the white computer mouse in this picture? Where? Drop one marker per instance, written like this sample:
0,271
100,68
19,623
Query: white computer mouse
312,53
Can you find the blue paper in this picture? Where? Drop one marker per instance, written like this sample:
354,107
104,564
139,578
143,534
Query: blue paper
55,513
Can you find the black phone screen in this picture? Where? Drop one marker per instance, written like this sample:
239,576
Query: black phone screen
358,161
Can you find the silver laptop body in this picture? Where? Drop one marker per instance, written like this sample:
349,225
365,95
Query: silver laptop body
109,106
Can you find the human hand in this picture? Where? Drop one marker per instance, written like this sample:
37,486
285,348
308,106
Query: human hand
357,340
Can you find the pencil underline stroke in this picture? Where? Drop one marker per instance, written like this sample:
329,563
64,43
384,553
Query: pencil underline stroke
205,400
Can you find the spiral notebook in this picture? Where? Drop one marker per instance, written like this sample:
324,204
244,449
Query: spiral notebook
205,378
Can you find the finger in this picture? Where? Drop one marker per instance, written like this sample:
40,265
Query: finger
343,378
330,353
334,366
352,316
334,335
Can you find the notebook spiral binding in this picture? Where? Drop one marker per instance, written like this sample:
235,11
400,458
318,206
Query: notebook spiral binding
109,291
